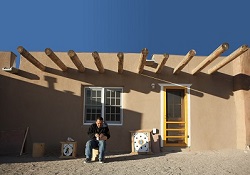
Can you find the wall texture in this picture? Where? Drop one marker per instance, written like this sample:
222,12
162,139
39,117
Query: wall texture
51,102
242,99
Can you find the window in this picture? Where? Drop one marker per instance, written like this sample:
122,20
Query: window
175,106
104,102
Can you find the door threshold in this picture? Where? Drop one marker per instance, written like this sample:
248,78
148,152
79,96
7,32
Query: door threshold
175,149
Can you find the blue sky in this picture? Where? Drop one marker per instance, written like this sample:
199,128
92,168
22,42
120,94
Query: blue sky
162,26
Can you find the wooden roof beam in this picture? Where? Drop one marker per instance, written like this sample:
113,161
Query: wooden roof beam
55,59
98,62
30,58
222,48
144,54
163,62
185,61
229,58
120,56
73,56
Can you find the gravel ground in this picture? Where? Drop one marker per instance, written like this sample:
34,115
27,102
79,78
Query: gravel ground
202,162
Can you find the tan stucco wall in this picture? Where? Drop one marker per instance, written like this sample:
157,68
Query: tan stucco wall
242,99
51,102
7,59
246,87
212,124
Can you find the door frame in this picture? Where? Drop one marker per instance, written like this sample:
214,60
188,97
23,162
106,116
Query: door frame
163,97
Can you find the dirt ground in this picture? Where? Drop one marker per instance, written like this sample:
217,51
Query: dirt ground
202,162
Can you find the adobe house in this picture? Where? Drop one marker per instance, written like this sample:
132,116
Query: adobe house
192,102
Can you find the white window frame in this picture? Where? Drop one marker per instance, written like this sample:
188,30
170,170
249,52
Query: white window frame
103,105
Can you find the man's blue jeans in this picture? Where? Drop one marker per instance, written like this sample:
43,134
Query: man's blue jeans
94,144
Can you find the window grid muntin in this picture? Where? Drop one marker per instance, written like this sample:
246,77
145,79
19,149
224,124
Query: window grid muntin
114,94
112,105
93,104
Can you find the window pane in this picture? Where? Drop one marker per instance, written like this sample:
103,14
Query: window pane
93,101
174,97
88,110
107,109
118,118
112,101
112,110
99,110
94,105
107,101
107,117
99,93
88,93
93,93
88,116
177,110
112,93
107,93
170,111
118,94
177,97
174,106
112,117
170,98
99,101
117,110
93,117
88,101
117,101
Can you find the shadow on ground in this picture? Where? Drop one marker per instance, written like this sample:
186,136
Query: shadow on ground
27,158
126,157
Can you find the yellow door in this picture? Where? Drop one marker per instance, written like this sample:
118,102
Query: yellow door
175,116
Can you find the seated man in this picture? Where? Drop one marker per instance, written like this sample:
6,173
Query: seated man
98,133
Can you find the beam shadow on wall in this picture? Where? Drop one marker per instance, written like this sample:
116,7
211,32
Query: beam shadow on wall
52,116
217,84
27,75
